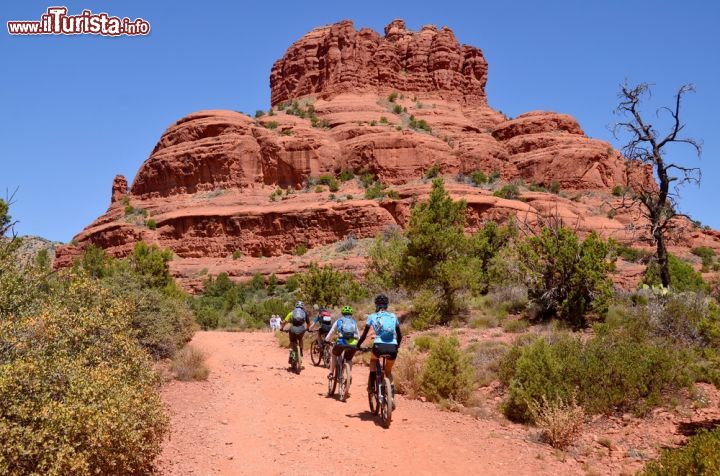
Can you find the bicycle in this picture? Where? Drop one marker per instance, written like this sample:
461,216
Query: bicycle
318,355
296,356
380,397
342,377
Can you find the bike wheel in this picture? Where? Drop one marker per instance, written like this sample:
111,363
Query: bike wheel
345,382
387,403
332,383
327,355
315,353
373,402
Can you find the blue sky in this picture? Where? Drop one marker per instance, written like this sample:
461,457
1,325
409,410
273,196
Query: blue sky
75,111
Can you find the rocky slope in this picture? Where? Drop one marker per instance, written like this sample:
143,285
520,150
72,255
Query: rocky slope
392,106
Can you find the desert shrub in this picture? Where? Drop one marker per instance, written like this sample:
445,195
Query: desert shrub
393,195
366,179
554,187
509,191
383,120
151,223
375,191
617,190
237,254
330,181
432,172
397,109
257,282
706,254
327,286
484,247
567,277
633,255
560,421
292,283
608,372
272,125
683,276
478,177
407,373
699,456
447,373
346,244
392,96
163,322
151,263
426,309
346,175
515,325
189,364
419,124
300,249
485,357
513,297
424,343
259,113
77,392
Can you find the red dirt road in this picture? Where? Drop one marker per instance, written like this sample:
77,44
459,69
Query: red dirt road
252,416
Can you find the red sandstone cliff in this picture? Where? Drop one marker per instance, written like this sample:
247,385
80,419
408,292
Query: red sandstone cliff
207,183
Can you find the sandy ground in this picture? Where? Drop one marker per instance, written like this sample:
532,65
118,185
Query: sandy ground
255,417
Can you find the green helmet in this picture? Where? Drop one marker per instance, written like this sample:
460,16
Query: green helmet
346,311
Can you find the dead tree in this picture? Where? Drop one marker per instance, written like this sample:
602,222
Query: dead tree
656,199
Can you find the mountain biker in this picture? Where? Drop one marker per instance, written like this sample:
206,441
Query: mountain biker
324,320
347,337
388,337
300,322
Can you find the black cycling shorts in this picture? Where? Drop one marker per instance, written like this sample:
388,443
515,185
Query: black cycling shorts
349,350
391,350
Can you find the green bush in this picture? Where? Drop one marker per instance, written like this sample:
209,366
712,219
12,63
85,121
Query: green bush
706,254
633,255
479,178
567,277
432,172
327,286
509,191
346,175
384,269
393,96
151,223
448,373
397,109
78,395
683,276
272,125
259,113
424,343
375,191
237,254
699,456
609,372
163,322
554,187
426,310
618,190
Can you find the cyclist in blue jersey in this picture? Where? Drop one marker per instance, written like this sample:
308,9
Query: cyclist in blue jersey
347,337
388,337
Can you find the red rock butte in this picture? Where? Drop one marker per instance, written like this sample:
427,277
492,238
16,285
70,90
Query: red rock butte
393,106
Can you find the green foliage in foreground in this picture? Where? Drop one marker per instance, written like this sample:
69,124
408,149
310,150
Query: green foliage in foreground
700,456
77,391
448,373
327,286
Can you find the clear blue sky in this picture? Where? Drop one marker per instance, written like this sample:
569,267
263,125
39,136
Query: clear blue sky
75,111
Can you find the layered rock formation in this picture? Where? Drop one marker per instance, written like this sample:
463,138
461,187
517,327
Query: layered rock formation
392,106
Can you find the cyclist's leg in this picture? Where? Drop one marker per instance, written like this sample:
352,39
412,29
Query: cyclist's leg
301,339
336,350
373,373
293,342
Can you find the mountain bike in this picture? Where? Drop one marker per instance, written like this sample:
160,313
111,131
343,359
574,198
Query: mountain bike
380,397
296,356
342,378
320,355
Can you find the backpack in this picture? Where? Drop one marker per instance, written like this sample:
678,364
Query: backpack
385,324
298,317
348,328
326,322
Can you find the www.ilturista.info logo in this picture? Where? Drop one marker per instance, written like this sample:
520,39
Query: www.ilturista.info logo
57,22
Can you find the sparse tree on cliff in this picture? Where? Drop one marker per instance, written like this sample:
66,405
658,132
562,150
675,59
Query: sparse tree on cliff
647,145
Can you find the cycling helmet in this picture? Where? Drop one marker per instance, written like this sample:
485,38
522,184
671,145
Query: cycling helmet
347,311
299,304
381,301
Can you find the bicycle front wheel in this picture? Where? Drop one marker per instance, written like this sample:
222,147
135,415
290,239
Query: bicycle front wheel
315,353
332,383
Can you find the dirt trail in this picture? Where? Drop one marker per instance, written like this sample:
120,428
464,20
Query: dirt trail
254,417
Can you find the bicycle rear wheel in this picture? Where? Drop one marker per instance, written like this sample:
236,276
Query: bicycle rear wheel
315,353
387,403
326,355
332,383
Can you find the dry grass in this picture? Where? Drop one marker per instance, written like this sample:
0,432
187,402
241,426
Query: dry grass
560,422
407,373
189,364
